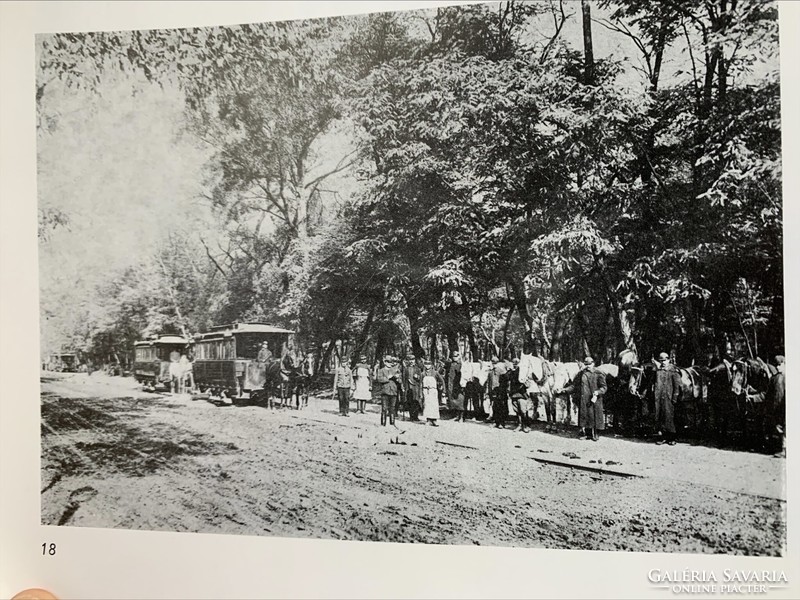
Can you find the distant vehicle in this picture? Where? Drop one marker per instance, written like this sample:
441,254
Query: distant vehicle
153,357
66,362
226,362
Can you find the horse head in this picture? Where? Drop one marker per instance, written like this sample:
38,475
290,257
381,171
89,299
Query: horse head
635,380
739,372
759,373
641,378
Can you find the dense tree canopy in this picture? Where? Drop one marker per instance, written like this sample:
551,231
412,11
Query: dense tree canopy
482,175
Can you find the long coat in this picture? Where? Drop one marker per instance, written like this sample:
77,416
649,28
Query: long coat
412,383
775,404
455,393
583,386
667,389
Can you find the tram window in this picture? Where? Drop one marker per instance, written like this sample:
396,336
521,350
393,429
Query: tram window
248,345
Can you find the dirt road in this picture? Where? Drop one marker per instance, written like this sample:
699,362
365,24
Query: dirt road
113,456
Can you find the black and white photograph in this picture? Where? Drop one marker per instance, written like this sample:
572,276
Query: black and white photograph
490,274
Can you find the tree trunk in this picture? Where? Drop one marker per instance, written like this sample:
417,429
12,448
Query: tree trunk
703,116
584,325
473,345
173,297
452,341
505,331
522,307
361,341
545,338
661,43
433,354
413,316
322,367
588,53
558,335
621,317
693,329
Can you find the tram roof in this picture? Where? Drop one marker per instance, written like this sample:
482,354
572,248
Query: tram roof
248,328
164,339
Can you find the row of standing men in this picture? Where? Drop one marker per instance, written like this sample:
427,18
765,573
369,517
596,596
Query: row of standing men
418,386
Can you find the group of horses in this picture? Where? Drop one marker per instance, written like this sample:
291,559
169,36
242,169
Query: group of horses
723,402
717,402
278,383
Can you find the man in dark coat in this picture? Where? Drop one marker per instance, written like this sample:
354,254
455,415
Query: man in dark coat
453,389
498,392
666,389
412,386
588,388
518,392
775,408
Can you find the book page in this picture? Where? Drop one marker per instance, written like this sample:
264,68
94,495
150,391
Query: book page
398,299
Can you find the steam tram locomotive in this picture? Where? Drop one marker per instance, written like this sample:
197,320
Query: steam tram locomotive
225,362
153,357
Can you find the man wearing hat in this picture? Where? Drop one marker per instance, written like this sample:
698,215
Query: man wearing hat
264,353
518,393
588,388
388,378
453,389
412,386
342,385
667,389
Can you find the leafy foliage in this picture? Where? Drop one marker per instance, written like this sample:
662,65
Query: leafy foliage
396,179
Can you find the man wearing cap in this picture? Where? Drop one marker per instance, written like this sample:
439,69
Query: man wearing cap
588,388
342,384
264,353
388,378
667,389
453,389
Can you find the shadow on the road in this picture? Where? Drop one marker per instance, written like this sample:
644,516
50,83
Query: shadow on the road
110,437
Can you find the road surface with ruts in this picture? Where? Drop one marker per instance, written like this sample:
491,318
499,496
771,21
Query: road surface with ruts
115,456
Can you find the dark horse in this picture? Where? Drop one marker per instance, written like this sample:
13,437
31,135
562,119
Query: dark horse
740,400
295,377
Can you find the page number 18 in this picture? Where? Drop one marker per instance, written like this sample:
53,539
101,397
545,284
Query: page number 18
48,549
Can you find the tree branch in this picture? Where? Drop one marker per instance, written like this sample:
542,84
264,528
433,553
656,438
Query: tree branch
212,259
339,167
559,24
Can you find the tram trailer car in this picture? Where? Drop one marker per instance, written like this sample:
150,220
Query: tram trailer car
152,359
225,358
66,362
